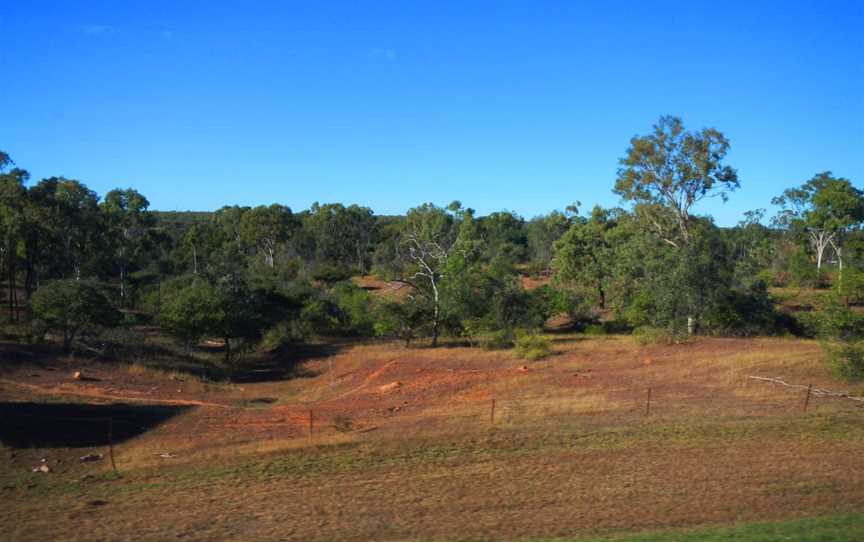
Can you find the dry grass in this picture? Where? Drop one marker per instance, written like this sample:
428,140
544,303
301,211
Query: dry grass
569,451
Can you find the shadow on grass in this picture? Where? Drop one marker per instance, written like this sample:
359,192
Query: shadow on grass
74,425
284,364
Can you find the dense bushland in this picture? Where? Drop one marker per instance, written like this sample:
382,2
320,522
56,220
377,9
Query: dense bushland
267,277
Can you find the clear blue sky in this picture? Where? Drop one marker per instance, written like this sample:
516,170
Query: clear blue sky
524,106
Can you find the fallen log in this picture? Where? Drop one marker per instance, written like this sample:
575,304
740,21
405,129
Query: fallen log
815,391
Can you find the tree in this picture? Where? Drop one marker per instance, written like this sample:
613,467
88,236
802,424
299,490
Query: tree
824,210
671,170
504,236
265,228
667,172
127,220
69,212
584,255
13,200
542,233
341,235
191,309
70,306
227,309
425,246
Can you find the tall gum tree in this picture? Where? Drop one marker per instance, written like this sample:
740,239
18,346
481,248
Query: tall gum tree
665,173
824,210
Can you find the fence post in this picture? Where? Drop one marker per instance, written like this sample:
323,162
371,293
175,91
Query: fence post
648,403
492,413
807,398
111,444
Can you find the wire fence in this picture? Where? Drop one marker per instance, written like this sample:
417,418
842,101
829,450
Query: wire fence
171,436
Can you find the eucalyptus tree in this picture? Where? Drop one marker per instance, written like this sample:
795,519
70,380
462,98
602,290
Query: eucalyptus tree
824,210
341,235
670,170
13,201
542,232
70,213
504,235
266,228
585,255
71,306
666,173
127,220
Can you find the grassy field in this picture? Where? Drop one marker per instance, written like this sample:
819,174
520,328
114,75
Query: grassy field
405,445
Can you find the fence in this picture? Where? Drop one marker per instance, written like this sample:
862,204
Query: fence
165,438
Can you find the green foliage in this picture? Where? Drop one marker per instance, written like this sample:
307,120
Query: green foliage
850,285
595,330
846,359
841,331
195,308
671,169
71,306
354,304
331,273
501,339
532,346
405,320
802,271
584,256
646,335
190,309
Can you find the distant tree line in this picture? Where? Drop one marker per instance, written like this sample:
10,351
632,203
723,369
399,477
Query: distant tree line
268,277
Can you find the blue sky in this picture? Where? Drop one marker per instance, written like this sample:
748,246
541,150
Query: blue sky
524,106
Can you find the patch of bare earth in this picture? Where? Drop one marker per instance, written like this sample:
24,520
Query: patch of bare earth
405,444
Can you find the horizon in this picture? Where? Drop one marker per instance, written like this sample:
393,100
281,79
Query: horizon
501,106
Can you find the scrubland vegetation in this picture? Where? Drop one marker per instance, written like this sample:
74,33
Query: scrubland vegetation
438,375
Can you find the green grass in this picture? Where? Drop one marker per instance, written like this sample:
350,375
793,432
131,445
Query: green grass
842,528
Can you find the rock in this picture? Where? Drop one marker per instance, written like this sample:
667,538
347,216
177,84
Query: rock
91,457
523,368
391,386
42,468
78,375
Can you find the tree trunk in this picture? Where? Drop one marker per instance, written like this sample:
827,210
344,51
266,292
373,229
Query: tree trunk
435,316
68,337
194,260
691,325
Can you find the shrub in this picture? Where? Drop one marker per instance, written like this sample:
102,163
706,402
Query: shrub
71,307
331,273
532,347
645,335
846,359
851,286
595,329
499,340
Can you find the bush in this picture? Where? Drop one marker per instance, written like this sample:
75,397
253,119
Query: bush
285,333
498,340
331,273
72,307
851,286
846,359
355,306
595,330
646,335
532,347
